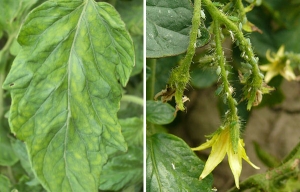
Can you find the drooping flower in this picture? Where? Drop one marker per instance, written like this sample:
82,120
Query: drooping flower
279,64
221,145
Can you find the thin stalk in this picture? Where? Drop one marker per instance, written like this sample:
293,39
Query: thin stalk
150,85
254,83
221,62
185,65
133,99
216,14
151,81
2,77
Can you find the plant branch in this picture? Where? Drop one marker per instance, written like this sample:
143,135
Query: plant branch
180,76
255,83
221,61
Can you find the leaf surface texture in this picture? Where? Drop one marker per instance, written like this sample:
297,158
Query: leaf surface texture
66,88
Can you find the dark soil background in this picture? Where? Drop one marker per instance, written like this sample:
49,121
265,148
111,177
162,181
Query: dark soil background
276,129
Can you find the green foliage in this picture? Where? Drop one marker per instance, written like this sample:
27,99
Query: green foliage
240,84
124,169
4,183
7,155
73,57
159,113
168,25
171,165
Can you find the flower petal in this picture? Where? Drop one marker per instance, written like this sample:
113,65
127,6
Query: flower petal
265,67
246,158
270,74
205,145
288,73
268,56
217,154
280,52
235,163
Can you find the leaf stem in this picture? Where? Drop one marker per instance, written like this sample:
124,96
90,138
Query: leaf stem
151,63
11,175
232,119
2,77
151,81
133,99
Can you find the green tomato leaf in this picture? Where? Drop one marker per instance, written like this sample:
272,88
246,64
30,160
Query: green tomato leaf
132,130
27,185
14,48
65,90
4,184
7,155
159,113
123,170
171,165
132,14
20,149
168,25
138,48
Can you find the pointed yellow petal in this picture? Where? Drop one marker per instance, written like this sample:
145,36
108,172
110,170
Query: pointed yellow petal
245,157
270,74
268,56
280,52
235,163
205,145
288,73
217,154
265,67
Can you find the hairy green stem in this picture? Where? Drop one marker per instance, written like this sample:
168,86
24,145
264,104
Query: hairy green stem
216,14
221,61
180,76
151,63
256,80
232,119
133,99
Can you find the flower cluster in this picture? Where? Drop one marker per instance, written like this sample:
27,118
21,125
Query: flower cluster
221,144
279,64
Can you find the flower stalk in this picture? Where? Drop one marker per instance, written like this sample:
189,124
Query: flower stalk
254,81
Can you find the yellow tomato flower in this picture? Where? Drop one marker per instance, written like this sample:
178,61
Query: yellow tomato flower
221,144
279,64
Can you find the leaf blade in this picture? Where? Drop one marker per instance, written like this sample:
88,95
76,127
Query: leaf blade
65,90
171,165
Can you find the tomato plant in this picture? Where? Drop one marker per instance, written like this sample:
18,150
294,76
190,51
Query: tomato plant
68,65
238,48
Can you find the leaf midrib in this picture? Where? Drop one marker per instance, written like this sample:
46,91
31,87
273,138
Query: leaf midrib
152,153
85,2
